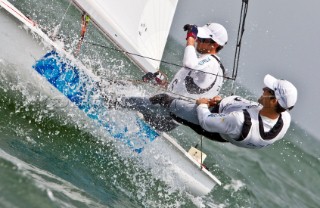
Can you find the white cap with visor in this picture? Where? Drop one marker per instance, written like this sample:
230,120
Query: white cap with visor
285,92
215,32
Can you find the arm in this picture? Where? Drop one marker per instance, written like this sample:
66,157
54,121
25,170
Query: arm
230,124
210,102
191,41
190,59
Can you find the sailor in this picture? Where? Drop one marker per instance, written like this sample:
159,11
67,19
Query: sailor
236,120
201,76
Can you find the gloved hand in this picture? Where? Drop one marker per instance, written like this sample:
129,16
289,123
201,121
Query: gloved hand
148,77
192,30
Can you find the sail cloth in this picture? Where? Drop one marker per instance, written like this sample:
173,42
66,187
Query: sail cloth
139,27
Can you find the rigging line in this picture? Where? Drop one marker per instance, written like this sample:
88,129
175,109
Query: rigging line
201,153
57,28
241,29
65,13
146,57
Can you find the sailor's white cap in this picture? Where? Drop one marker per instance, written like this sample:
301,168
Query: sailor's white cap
215,31
285,92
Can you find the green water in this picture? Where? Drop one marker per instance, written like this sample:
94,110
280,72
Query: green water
51,158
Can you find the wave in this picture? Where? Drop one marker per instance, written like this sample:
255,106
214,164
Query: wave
61,141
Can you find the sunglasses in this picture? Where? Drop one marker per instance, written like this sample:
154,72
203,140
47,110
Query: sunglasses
270,91
205,40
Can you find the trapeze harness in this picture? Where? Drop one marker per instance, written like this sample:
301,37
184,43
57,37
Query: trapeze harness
253,134
193,88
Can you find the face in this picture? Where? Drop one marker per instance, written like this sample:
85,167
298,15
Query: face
267,98
204,45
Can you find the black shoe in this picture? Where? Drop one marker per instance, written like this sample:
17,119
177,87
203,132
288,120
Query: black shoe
148,77
161,99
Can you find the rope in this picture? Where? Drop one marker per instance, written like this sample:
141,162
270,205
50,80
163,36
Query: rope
161,61
65,13
85,19
201,153
57,28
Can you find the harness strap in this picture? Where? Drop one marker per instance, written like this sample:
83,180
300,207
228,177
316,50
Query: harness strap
221,65
199,130
246,126
274,131
193,88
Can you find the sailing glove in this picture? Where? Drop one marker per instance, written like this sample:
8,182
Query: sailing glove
192,30
148,76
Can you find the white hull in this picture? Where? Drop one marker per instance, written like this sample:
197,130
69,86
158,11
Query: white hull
182,171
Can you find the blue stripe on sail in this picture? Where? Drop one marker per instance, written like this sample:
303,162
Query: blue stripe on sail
82,91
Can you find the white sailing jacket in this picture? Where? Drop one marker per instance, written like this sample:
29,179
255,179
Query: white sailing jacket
200,77
239,122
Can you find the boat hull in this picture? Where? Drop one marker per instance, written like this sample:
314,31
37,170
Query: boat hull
40,57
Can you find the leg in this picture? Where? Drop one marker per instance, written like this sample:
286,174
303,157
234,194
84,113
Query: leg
199,130
157,116
185,112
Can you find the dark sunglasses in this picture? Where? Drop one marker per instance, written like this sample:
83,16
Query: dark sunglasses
205,40
269,90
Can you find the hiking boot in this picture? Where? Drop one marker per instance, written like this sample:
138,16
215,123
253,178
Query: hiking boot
162,99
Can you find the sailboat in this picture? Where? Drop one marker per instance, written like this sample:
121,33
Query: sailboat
139,31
